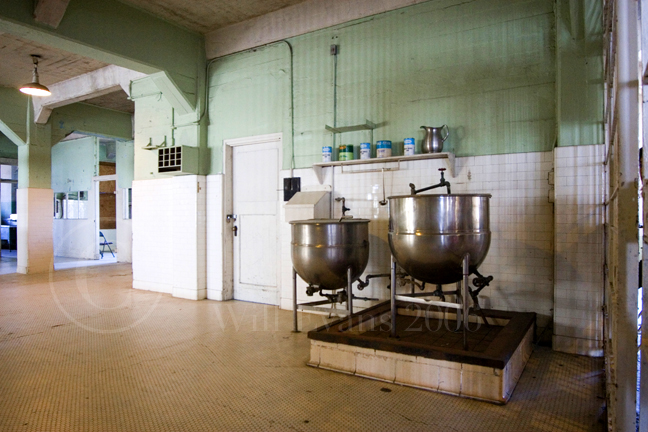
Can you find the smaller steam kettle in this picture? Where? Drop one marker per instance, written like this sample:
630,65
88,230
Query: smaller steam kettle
434,138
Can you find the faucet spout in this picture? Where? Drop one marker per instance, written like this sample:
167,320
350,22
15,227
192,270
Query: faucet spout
443,183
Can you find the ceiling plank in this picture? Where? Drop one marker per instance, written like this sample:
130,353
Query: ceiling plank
50,12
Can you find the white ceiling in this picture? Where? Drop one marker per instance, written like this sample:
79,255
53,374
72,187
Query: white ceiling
54,66
206,15
57,65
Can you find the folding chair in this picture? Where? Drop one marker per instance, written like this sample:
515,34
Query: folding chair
103,243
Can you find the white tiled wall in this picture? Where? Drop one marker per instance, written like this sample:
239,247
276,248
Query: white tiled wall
35,247
521,256
579,252
169,218
521,252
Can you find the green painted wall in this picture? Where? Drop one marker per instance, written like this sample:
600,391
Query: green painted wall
250,95
92,120
74,163
486,68
8,149
34,158
125,167
156,122
580,73
13,114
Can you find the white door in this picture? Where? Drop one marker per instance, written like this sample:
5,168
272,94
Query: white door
255,180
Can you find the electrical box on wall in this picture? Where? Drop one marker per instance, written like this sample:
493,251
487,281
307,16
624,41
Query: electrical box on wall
178,160
292,185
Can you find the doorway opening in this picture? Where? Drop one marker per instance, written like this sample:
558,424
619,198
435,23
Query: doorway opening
8,216
89,177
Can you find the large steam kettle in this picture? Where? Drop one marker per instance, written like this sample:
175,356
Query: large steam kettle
433,141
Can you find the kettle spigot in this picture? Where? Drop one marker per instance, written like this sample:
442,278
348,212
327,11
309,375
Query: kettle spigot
344,207
441,183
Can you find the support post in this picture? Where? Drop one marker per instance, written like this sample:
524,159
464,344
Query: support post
466,296
393,297
34,198
294,279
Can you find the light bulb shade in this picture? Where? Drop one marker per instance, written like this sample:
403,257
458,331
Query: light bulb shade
35,89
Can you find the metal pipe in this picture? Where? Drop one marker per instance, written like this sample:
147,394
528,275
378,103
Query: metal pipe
350,294
466,296
393,297
363,285
459,300
294,276
443,182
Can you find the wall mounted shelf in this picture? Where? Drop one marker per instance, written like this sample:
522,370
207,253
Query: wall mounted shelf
366,126
449,159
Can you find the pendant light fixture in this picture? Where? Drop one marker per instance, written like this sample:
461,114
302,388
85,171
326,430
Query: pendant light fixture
35,88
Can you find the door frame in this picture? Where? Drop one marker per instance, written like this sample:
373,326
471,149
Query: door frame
95,188
228,205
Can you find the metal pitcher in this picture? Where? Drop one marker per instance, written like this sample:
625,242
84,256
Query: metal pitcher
433,141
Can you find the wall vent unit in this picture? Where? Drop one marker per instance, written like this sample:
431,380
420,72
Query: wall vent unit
178,160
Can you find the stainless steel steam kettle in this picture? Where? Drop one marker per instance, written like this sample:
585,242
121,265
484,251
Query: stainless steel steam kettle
433,141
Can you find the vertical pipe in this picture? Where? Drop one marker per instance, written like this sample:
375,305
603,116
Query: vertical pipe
458,300
296,326
393,297
466,273
349,296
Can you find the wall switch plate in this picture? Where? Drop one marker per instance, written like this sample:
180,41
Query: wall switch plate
334,50
292,185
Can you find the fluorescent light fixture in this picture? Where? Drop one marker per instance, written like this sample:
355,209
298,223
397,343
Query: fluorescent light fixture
35,88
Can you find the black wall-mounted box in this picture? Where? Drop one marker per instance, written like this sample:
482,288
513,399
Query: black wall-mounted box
292,185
